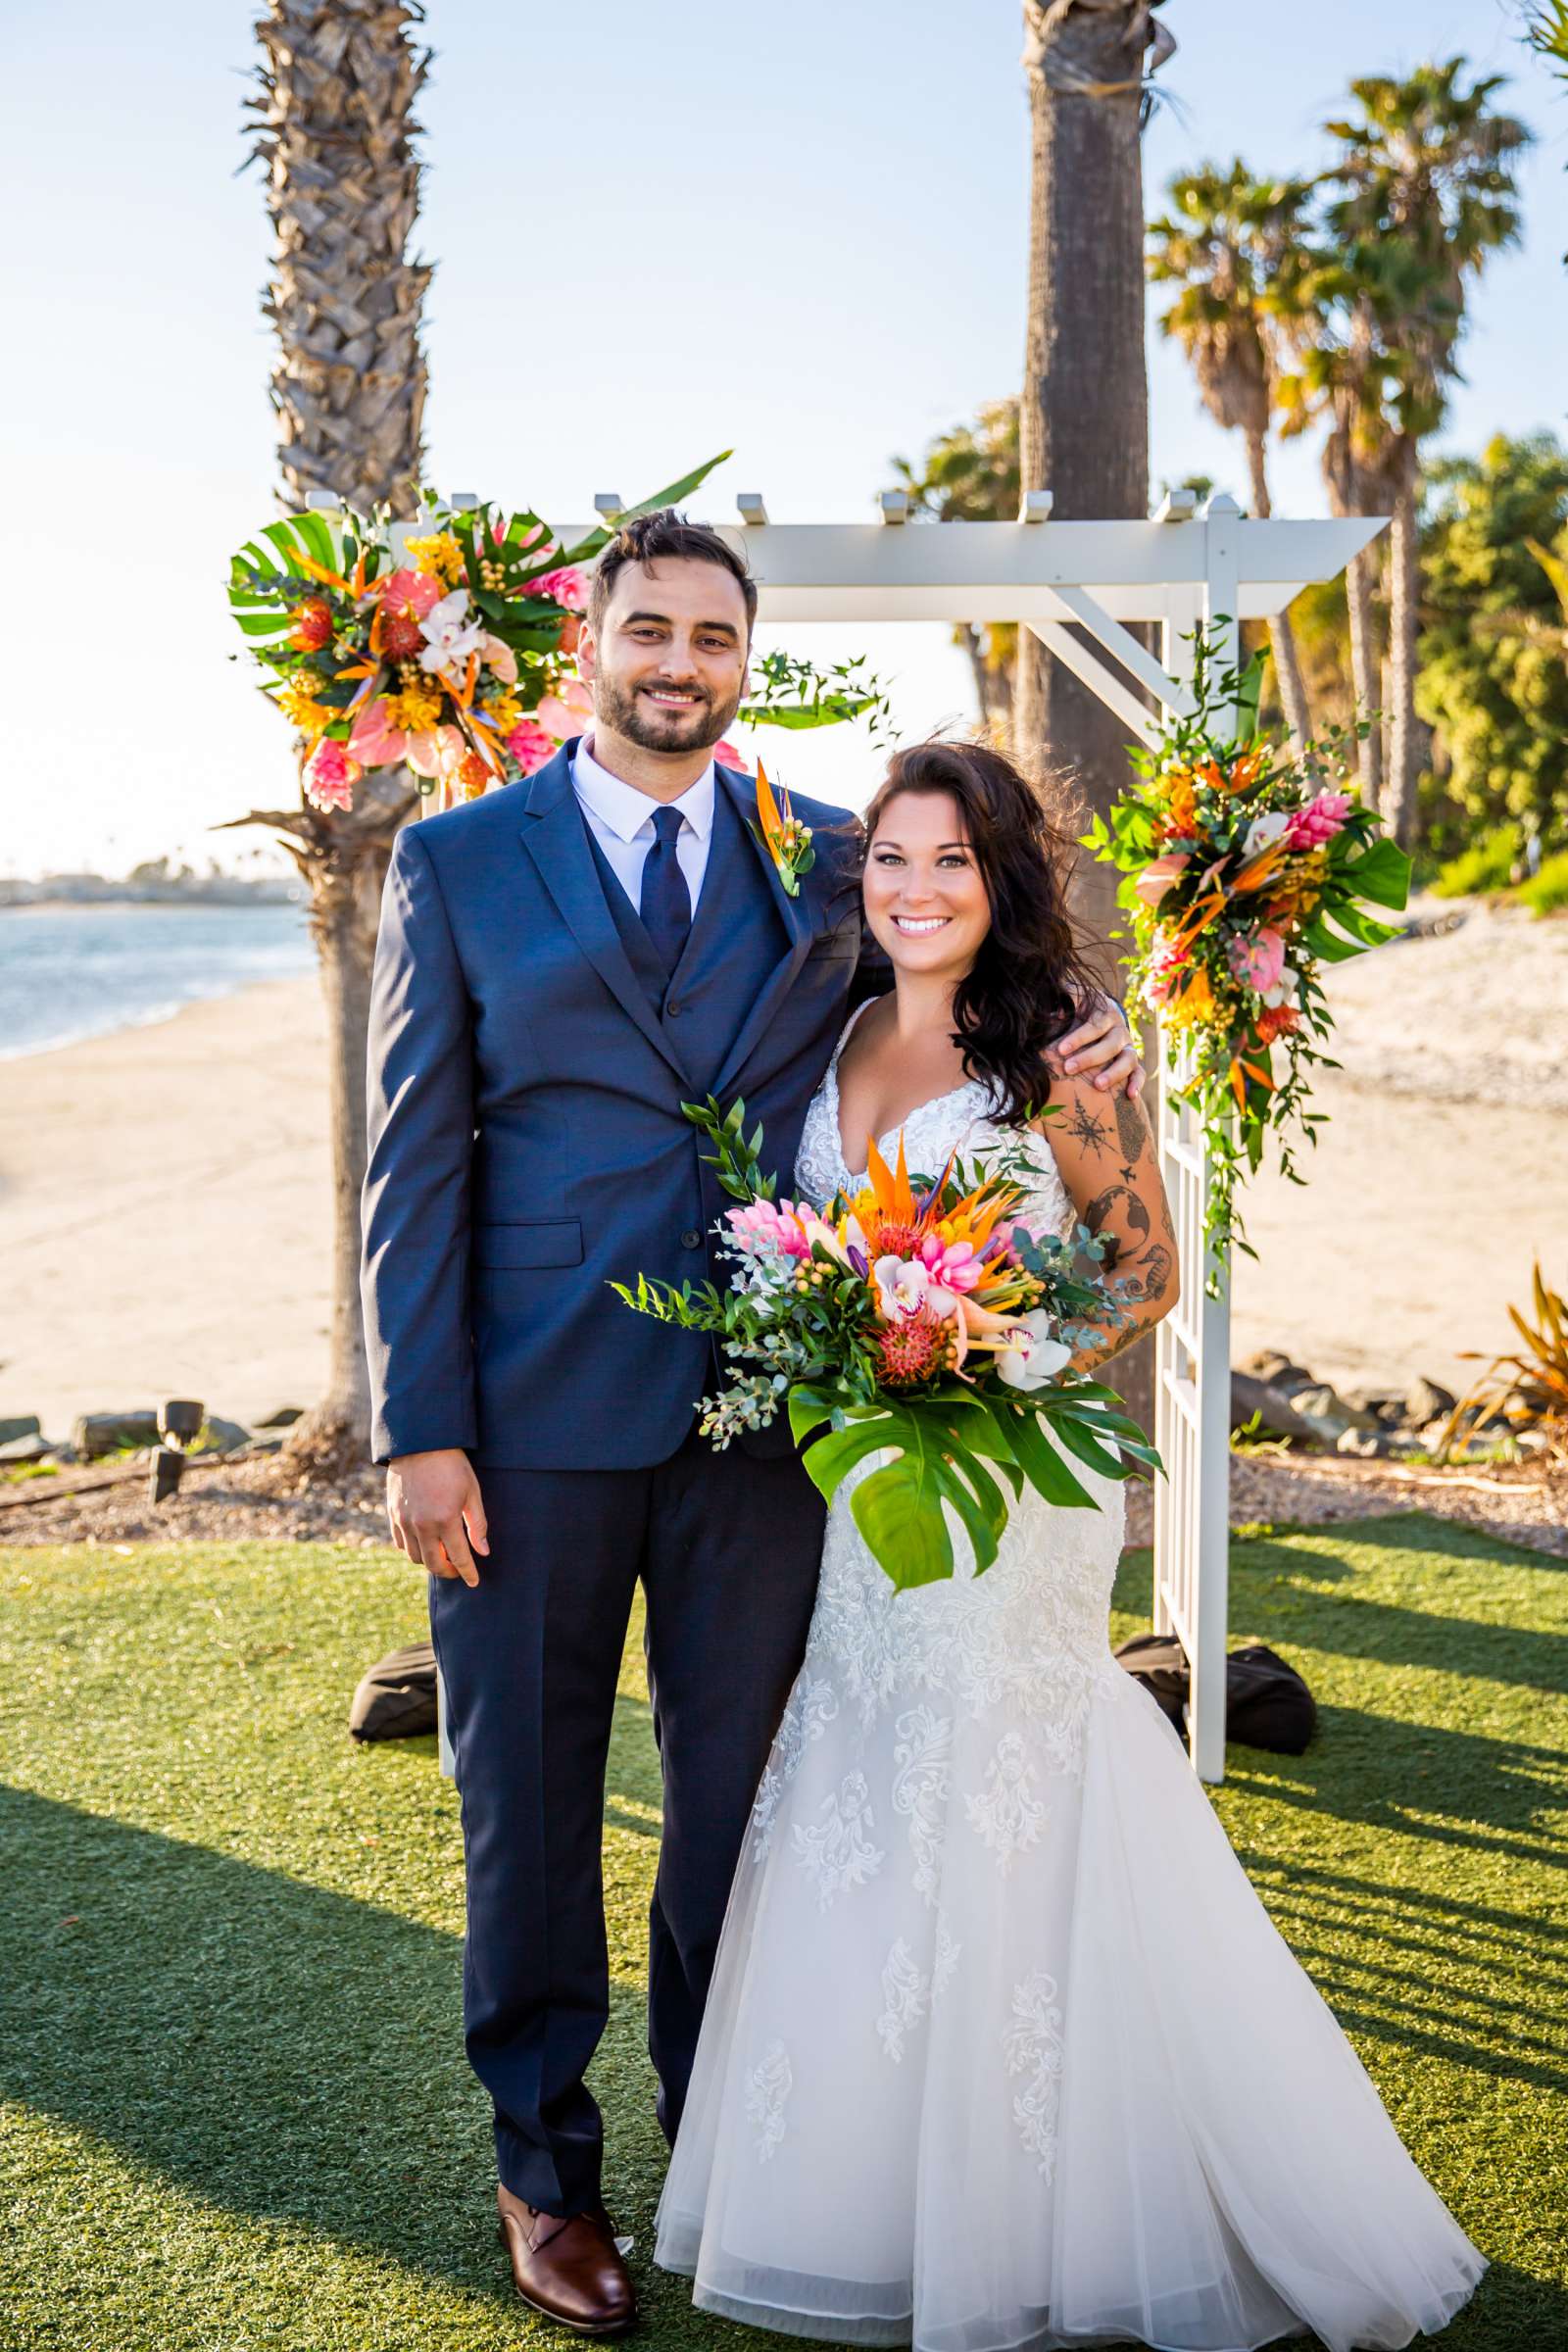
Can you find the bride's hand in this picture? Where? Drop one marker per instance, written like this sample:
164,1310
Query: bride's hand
435,1509
1101,1050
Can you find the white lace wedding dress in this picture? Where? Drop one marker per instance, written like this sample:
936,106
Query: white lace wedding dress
1001,2049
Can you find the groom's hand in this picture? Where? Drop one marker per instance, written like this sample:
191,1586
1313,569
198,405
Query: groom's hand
437,1511
1101,1049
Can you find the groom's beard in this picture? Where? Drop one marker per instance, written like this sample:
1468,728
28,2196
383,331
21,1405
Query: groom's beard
638,720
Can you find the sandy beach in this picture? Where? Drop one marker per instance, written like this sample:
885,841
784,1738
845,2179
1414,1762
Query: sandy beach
165,1191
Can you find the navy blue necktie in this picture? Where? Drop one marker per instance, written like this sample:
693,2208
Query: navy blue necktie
665,905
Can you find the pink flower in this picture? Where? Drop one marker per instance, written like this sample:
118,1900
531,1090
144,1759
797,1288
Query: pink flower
1318,822
531,745
1257,962
569,713
404,591
1169,961
726,755
330,776
568,586
952,1265
1159,875
497,655
374,741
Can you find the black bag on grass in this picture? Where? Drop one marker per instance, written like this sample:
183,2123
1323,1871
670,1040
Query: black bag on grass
396,1699
1267,1704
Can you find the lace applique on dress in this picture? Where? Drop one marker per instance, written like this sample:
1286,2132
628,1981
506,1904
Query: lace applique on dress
836,1850
1034,2047
767,2086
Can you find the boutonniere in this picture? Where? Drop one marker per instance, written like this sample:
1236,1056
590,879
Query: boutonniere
786,840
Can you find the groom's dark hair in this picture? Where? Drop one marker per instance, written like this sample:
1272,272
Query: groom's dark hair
644,538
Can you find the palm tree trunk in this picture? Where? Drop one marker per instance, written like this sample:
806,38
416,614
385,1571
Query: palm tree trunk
1360,586
336,132
1282,637
1084,415
1083,420
1404,620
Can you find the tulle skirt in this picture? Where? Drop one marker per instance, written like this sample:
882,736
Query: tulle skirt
1053,2079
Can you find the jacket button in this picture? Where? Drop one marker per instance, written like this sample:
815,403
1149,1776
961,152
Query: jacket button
691,1238
673,1008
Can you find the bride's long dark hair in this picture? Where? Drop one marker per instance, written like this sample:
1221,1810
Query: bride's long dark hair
1031,977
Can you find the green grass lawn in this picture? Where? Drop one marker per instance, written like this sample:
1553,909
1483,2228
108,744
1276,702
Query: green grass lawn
235,2110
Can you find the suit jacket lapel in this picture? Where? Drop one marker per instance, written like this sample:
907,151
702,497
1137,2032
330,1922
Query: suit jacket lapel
801,919
555,835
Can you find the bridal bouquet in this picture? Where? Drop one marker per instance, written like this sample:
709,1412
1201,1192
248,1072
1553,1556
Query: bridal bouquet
920,1318
1245,867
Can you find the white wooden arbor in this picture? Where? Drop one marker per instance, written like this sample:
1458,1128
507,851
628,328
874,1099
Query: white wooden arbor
1186,567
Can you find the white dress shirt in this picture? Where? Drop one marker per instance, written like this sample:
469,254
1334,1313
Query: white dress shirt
621,822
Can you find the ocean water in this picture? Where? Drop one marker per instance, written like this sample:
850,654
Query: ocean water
68,972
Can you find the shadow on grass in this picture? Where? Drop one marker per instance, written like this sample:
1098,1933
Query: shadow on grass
283,2051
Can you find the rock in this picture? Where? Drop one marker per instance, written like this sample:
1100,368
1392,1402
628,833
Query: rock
97,1434
1425,1400
1277,1371
28,1426
221,1437
1259,1400
28,1446
284,1417
1364,1442
1387,1406
1327,1415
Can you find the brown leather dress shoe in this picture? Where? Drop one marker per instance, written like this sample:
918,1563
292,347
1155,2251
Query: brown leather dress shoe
568,2269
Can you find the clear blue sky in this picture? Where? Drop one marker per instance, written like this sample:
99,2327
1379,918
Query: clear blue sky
799,232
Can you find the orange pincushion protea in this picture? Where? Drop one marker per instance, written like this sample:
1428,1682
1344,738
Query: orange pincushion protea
915,1349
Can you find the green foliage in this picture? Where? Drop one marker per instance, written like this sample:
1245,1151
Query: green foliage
1547,891
1493,675
792,692
1486,864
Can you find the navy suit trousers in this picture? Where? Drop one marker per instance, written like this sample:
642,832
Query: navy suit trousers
728,1548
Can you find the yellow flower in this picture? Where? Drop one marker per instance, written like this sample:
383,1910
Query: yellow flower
503,712
414,709
1196,1003
301,708
438,556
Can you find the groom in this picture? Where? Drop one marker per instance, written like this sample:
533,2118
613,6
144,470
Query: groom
560,965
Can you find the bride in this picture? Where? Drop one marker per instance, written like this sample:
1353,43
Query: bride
1002,2049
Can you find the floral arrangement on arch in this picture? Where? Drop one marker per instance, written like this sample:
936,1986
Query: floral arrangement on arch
1247,866
449,650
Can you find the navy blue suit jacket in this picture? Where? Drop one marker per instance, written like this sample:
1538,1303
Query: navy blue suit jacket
526,1144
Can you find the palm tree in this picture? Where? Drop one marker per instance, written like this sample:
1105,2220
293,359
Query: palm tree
335,130
1425,192
1084,419
970,474
1084,415
1229,243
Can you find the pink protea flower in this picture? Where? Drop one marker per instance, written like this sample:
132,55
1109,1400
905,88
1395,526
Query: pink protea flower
330,776
1257,962
1318,822
531,745
916,1350
568,586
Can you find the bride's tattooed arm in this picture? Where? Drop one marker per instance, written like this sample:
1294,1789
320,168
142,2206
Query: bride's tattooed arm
1108,1164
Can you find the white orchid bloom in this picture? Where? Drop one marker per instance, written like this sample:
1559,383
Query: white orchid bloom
902,1284
1032,1357
1262,829
1287,989
449,636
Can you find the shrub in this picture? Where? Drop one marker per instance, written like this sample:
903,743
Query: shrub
1547,891
1486,864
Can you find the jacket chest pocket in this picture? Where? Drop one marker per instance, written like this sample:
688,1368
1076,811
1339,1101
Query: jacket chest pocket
523,1241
